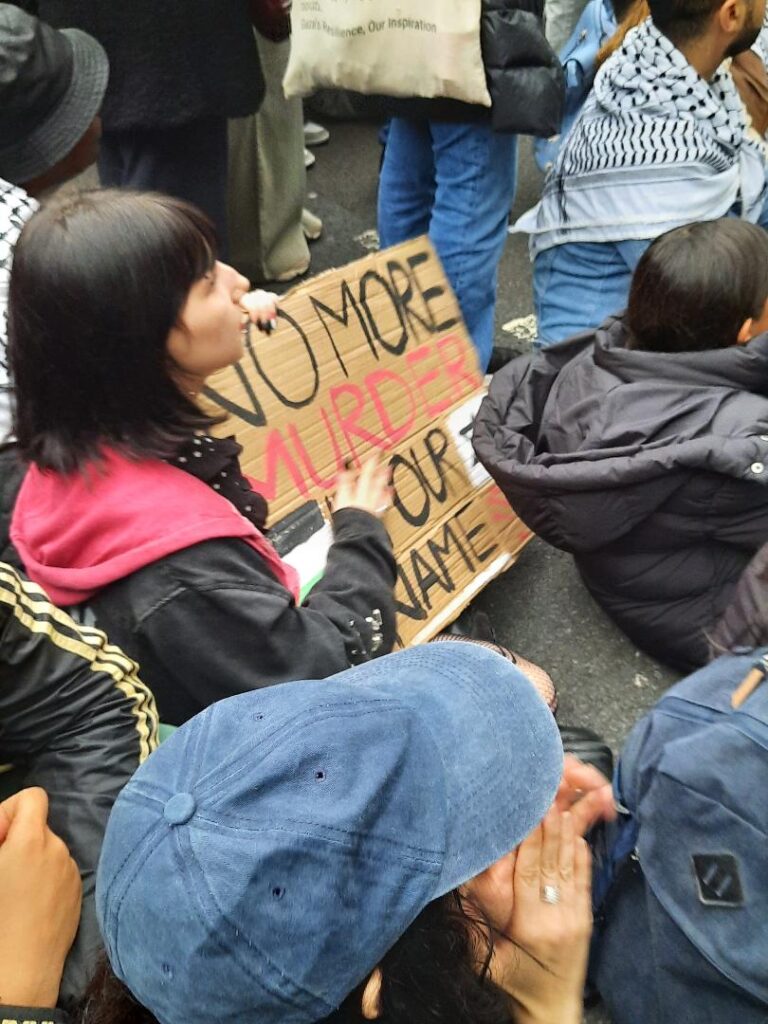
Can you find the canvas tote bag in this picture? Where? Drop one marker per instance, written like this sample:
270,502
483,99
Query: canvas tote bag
390,47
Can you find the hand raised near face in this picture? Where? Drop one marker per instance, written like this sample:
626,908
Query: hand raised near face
537,903
261,308
586,793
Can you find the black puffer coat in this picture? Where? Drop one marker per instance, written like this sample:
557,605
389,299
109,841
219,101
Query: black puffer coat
651,469
744,624
525,77
170,62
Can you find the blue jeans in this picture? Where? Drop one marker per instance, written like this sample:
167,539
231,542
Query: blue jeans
456,183
578,284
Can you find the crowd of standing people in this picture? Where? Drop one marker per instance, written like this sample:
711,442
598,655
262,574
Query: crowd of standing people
330,831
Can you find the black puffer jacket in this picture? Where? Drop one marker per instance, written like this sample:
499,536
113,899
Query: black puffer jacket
525,77
170,61
651,469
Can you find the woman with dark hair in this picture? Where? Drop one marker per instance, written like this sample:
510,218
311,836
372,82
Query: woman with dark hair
119,311
381,845
701,287
642,447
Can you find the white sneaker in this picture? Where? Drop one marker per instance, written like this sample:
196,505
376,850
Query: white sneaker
309,158
292,272
315,134
311,225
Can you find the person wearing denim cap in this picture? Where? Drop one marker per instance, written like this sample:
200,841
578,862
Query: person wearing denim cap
368,846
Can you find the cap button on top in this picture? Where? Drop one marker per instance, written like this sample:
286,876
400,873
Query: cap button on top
757,467
179,808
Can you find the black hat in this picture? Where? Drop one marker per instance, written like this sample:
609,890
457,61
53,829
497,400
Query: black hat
52,83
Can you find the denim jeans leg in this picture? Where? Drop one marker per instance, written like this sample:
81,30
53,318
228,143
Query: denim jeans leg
578,284
188,161
407,182
476,172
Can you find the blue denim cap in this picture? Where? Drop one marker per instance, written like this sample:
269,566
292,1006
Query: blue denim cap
261,862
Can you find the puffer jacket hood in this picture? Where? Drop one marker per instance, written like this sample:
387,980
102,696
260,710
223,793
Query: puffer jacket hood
587,439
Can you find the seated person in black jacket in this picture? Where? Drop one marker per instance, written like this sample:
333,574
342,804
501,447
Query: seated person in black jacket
75,723
642,447
119,313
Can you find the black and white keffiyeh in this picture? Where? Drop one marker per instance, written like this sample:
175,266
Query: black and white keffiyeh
659,110
655,146
16,207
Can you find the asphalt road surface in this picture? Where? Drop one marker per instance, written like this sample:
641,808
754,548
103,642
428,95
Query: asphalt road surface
539,607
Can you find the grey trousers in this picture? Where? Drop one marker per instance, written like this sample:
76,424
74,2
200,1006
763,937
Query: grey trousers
560,17
267,179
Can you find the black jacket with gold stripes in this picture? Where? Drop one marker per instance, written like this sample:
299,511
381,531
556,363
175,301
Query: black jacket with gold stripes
75,720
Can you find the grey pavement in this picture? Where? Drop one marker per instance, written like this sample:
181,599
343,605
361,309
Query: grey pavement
539,607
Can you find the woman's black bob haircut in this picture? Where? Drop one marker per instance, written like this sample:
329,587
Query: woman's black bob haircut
696,285
98,281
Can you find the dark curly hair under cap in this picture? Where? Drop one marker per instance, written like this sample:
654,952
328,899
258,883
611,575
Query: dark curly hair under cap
695,286
99,280
436,973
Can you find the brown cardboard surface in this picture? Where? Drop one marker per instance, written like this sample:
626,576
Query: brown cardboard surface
374,356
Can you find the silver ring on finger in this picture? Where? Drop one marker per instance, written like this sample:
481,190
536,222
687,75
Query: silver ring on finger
550,894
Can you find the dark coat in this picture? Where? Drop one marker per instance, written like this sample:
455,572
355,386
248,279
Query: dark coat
525,77
651,469
75,720
170,62
744,624
211,620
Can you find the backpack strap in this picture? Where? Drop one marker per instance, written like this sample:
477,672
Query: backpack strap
750,682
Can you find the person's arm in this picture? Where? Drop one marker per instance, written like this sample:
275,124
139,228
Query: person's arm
79,721
230,626
359,577
40,893
721,509
738,512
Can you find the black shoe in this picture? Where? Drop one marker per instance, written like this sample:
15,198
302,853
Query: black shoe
588,747
500,357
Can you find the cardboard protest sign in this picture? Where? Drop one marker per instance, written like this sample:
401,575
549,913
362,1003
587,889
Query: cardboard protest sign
374,356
